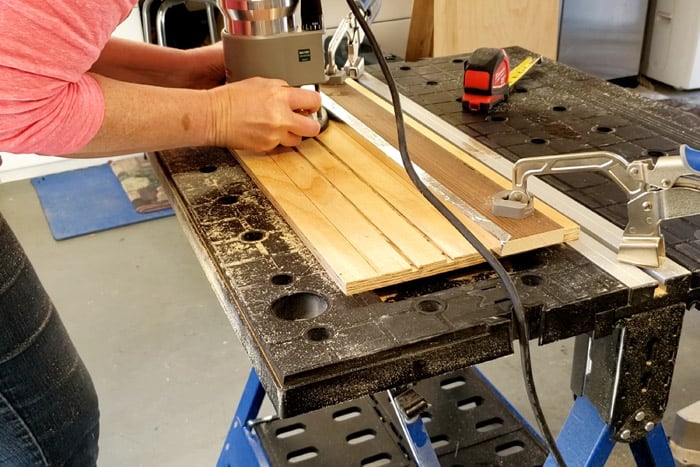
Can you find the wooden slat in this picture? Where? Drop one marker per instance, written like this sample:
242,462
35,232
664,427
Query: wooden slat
396,189
366,238
472,181
417,248
361,216
329,245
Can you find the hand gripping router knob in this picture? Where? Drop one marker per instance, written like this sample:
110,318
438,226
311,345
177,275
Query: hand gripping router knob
261,38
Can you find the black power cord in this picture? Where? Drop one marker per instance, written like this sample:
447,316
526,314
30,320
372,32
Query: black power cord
517,307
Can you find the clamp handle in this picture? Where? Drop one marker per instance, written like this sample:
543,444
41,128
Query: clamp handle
691,158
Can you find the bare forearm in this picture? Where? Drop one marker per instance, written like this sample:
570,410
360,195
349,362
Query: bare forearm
137,62
255,114
143,118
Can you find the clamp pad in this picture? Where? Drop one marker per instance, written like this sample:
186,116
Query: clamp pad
503,206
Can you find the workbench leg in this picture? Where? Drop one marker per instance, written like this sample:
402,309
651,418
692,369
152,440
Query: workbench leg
653,450
242,446
584,440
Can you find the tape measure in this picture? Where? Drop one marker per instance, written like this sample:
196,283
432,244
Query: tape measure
488,78
522,68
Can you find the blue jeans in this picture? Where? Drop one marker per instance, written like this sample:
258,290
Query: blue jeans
48,405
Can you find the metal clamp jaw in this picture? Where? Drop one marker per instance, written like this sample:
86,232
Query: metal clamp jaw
349,30
666,189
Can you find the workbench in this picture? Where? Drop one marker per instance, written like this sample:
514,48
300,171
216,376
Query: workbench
312,347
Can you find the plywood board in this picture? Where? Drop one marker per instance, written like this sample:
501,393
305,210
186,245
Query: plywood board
420,33
462,26
365,221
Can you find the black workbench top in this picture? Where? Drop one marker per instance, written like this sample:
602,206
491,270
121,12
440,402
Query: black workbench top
556,109
312,346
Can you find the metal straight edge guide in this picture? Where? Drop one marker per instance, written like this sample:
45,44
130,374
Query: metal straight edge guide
603,237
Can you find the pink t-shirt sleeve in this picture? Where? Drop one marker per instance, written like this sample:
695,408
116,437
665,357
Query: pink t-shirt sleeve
48,102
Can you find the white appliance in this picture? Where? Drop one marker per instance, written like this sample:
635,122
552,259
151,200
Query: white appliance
673,46
603,37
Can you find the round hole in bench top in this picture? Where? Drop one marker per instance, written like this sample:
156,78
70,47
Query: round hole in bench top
559,108
207,169
319,334
282,279
228,199
252,236
532,280
539,141
299,306
430,306
604,129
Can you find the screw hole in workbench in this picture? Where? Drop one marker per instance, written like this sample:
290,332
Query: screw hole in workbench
207,169
539,141
319,334
532,280
228,199
559,108
431,83
282,279
430,306
457,60
497,118
604,129
405,68
299,306
252,236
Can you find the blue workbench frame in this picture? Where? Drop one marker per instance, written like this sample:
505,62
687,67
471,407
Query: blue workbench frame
242,446
584,441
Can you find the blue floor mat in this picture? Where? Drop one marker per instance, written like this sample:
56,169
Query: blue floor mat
87,200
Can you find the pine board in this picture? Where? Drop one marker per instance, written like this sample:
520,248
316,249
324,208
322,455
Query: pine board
358,212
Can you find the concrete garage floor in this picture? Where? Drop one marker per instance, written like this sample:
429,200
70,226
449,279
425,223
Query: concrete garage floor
167,365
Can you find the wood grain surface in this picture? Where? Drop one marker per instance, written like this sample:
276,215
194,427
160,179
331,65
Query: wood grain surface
361,216
455,27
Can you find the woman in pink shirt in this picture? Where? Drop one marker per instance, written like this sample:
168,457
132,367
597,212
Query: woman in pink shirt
67,88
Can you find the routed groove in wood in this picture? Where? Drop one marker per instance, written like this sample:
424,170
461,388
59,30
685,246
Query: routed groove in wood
367,224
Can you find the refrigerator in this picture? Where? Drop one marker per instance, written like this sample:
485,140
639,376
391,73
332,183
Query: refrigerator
603,37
